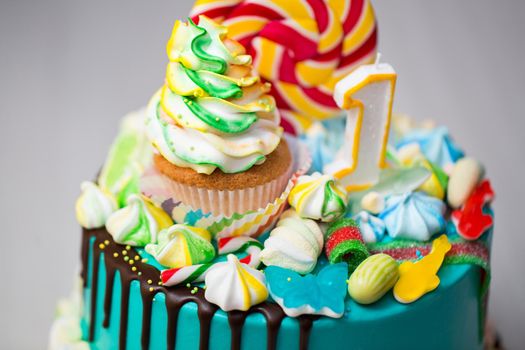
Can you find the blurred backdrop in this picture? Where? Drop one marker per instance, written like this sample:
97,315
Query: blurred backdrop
69,70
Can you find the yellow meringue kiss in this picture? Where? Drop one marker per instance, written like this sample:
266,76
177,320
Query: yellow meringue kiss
182,245
235,286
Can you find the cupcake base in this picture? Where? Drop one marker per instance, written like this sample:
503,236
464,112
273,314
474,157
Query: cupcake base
226,194
277,163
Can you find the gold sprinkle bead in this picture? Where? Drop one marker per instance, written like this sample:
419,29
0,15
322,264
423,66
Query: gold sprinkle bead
126,258
150,281
101,246
144,260
115,255
188,285
131,262
124,252
193,291
106,242
128,247
139,273
151,289
137,257
160,283
134,268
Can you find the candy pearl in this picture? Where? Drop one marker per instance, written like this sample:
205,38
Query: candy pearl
373,202
463,180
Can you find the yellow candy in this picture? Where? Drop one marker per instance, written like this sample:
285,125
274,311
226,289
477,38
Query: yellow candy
420,277
375,276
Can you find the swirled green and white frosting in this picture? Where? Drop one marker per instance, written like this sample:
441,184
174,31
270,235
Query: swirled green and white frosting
211,112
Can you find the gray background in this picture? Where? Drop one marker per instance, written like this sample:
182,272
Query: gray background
70,69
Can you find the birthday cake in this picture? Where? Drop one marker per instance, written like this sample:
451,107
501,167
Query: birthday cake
267,198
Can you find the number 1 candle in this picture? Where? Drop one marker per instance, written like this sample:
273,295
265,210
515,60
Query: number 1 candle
367,95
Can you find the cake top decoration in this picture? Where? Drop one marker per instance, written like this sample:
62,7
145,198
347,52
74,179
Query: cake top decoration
302,47
182,245
318,197
138,223
373,278
233,285
414,215
94,206
213,111
294,244
420,277
321,294
436,144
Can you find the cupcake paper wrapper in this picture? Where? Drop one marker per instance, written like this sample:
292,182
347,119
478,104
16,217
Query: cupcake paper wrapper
228,202
221,215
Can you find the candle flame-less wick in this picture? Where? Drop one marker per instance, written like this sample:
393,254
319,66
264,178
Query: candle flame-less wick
378,58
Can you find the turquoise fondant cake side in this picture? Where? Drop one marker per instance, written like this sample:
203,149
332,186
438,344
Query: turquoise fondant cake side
445,319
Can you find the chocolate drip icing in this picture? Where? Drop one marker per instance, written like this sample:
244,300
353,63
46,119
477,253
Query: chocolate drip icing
110,281
147,305
236,320
176,297
274,316
94,292
305,324
172,308
84,254
205,312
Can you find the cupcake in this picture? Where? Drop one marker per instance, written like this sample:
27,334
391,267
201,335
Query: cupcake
216,130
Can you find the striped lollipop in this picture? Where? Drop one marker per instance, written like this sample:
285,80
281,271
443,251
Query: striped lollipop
302,47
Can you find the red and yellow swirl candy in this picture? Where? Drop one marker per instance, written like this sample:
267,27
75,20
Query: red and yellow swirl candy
303,47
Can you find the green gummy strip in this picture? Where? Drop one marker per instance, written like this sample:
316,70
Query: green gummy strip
352,252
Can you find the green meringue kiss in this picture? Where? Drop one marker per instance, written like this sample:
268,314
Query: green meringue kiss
138,223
